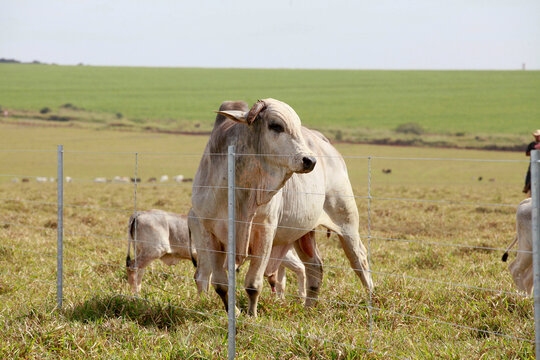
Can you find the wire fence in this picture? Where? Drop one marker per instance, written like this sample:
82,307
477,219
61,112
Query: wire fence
95,221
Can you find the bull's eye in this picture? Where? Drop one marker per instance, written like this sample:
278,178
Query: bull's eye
276,127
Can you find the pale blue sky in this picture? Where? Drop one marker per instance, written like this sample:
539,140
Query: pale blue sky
375,34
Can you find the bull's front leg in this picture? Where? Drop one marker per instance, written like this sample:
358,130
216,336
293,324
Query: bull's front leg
261,247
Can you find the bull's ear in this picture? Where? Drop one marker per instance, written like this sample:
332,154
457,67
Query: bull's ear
235,115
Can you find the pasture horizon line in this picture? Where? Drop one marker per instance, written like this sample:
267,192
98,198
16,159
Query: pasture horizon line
38,62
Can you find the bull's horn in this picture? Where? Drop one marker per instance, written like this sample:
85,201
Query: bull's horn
254,111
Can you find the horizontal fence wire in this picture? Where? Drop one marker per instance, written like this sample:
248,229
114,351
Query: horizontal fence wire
365,197
16,248
90,207
132,153
364,157
30,201
372,237
178,246
223,187
422,242
449,202
27,226
28,150
32,278
30,176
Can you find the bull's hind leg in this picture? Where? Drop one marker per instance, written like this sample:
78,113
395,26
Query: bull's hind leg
307,250
343,213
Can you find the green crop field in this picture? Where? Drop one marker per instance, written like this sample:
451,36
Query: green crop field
497,107
427,299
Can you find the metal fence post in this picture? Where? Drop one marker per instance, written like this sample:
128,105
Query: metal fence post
231,250
535,195
370,307
60,226
135,259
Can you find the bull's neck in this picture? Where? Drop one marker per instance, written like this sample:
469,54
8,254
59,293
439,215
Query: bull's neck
257,175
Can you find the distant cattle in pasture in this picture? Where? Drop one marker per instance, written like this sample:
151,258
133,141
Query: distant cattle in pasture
100,180
41,179
522,267
164,178
178,178
137,180
15,180
386,171
152,180
69,179
25,180
120,179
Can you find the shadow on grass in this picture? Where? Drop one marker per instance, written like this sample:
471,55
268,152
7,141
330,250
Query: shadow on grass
144,313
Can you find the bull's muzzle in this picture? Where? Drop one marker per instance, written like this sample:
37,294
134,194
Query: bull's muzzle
308,163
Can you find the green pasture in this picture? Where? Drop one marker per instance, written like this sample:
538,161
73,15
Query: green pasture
443,102
435,318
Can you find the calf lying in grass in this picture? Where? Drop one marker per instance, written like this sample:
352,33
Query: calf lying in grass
165,236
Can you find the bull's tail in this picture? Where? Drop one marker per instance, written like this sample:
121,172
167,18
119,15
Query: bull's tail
505,255
193,260
131,230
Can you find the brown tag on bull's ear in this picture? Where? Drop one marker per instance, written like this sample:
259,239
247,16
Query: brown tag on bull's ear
254,111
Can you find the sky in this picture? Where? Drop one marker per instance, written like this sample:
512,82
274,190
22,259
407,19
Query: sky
336,34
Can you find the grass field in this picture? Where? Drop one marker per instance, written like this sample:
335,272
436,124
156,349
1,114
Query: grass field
412,318
467,108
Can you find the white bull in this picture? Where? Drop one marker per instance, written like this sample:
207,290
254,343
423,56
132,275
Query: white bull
165,236
522,267
283,192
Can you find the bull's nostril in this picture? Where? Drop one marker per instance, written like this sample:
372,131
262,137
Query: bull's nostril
309,163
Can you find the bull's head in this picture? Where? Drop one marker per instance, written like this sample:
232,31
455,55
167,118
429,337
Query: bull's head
277,134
